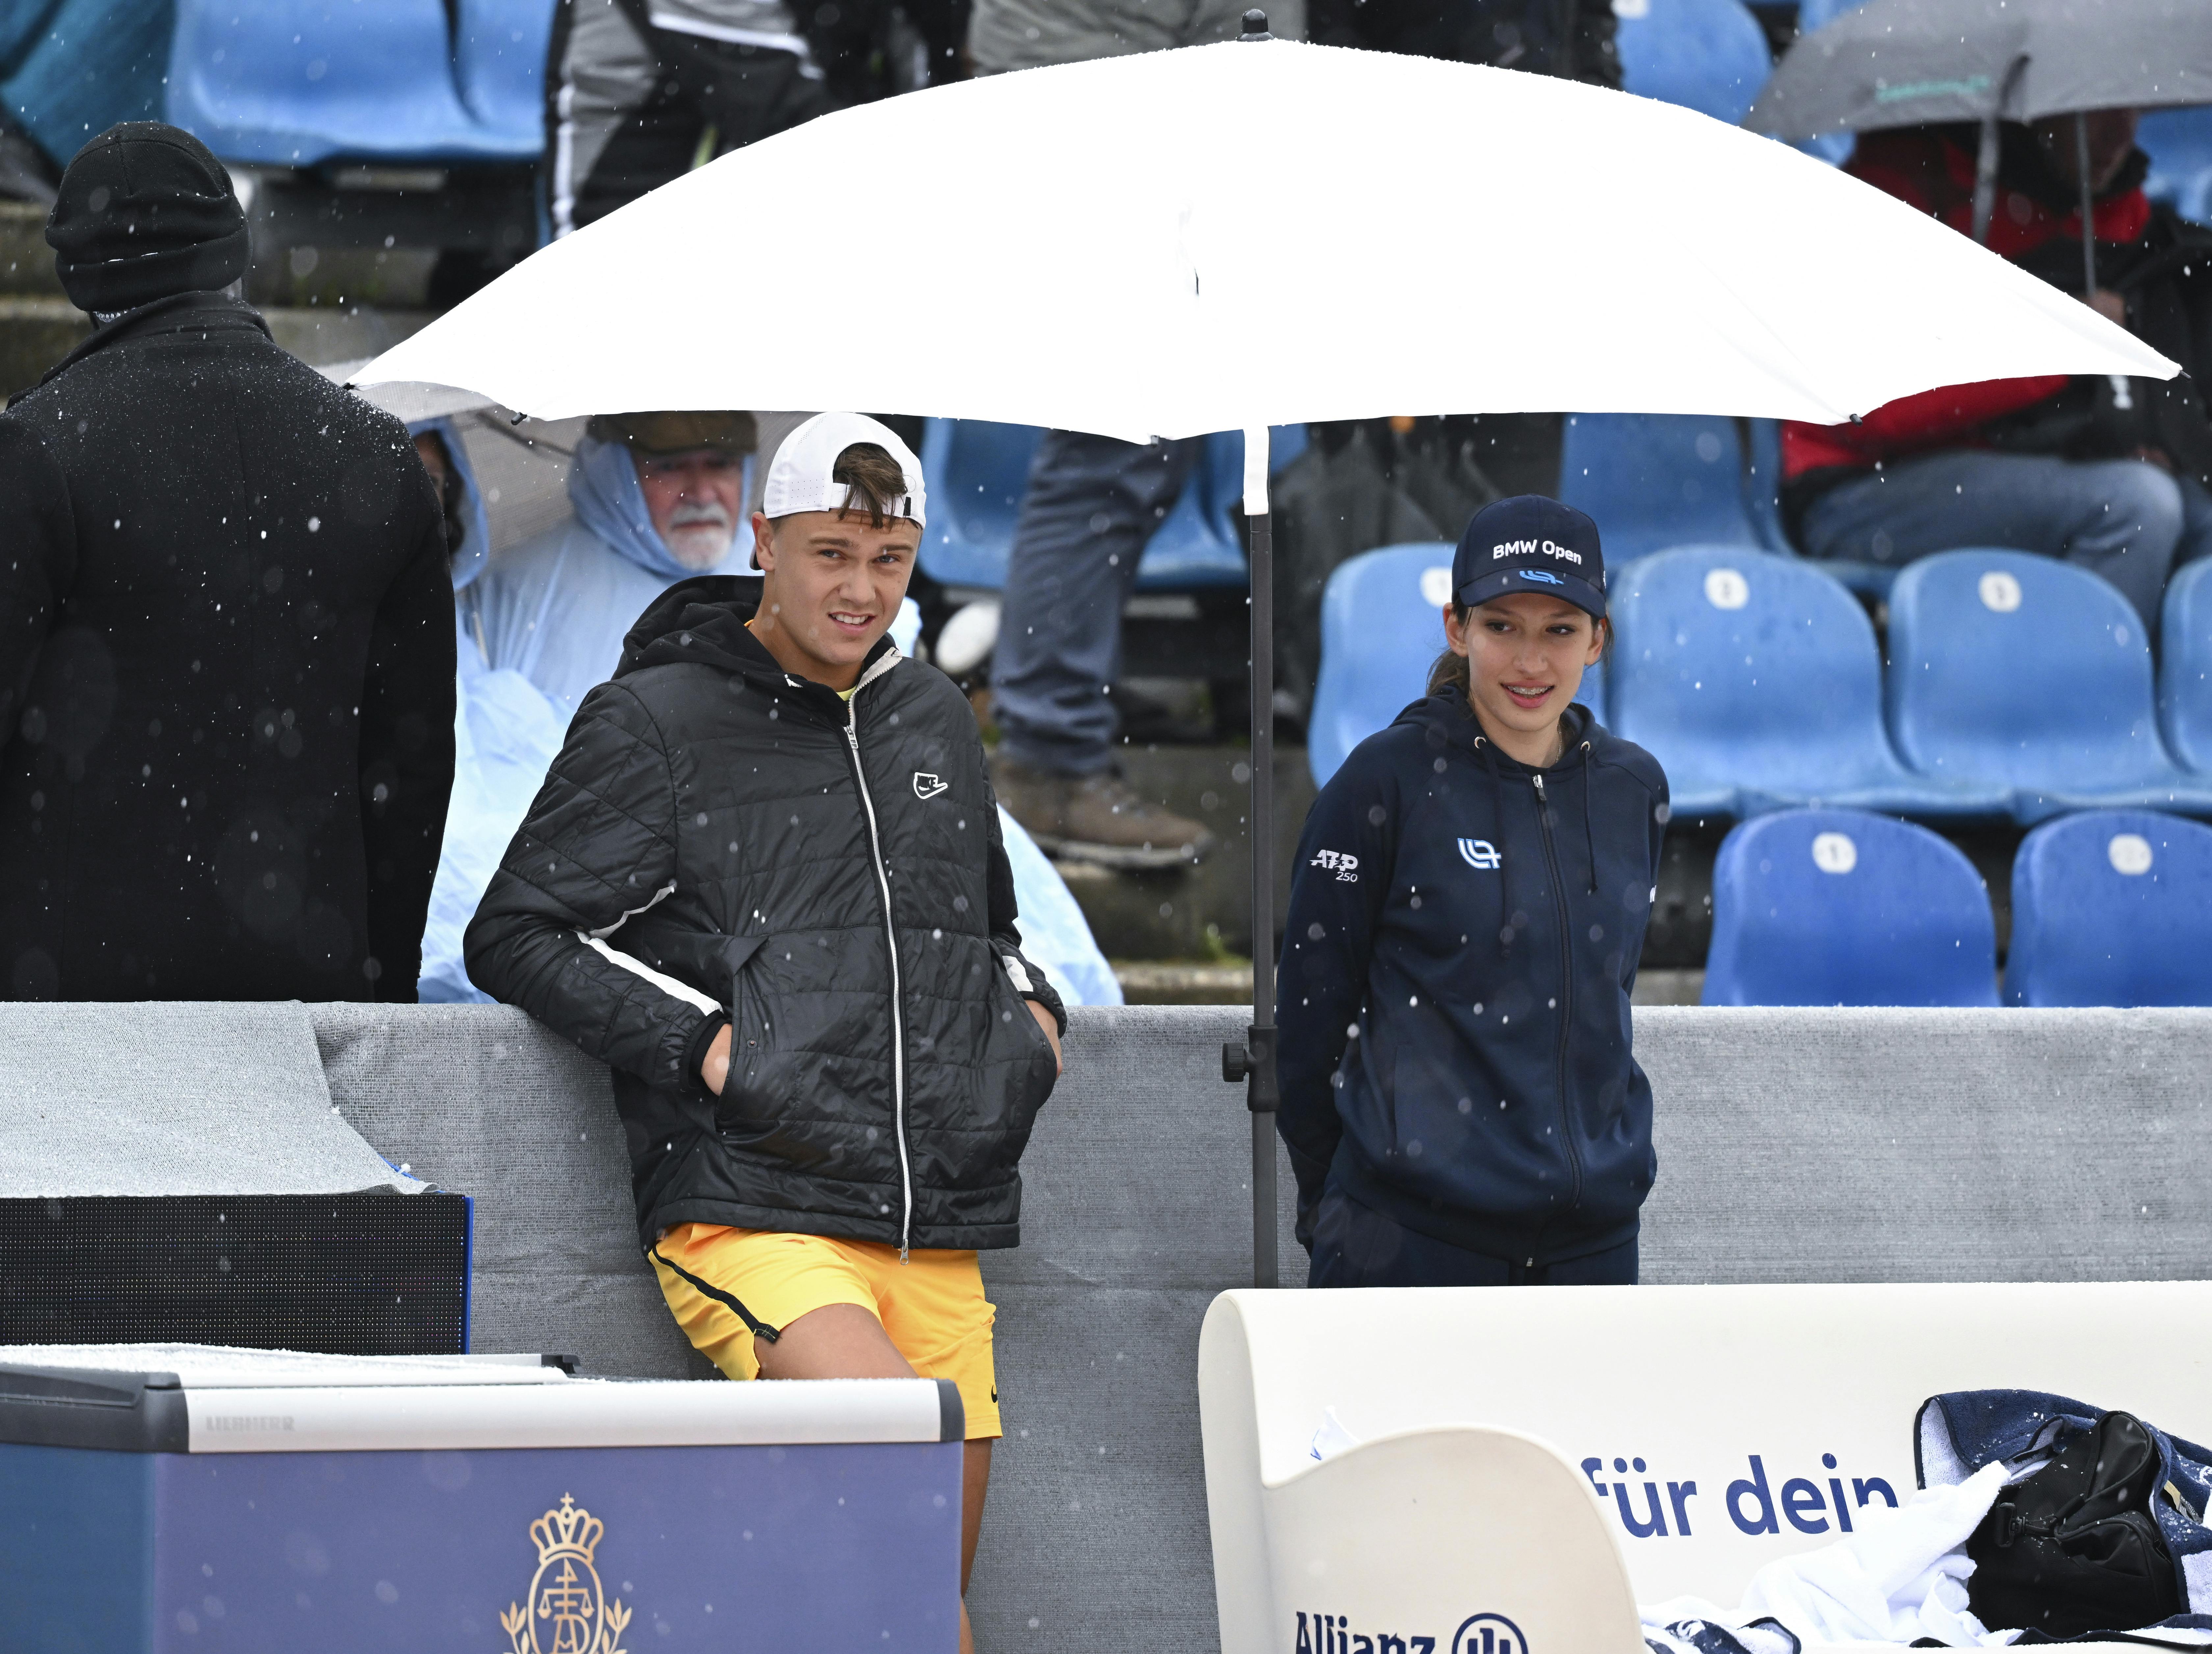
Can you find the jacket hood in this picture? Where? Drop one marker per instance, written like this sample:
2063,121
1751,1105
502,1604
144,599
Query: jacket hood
701,620
607,497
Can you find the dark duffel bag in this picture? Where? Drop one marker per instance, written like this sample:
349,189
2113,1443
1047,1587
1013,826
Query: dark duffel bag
2075,1548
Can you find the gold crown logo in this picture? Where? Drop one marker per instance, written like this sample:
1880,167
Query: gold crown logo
567,1532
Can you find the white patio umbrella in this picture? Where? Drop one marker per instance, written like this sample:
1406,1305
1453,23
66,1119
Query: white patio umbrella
1228,237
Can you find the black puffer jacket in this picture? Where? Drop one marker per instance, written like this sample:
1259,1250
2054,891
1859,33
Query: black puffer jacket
717,838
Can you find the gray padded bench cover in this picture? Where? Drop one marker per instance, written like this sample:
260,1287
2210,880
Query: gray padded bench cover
1794,1145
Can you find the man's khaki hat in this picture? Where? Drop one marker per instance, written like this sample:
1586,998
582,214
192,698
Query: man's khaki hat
654,435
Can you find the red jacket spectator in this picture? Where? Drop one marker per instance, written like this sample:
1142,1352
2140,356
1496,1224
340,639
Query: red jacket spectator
1933,168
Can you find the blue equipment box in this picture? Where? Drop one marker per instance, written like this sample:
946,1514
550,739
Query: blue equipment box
172,1499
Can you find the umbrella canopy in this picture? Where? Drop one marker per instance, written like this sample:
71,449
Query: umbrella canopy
1914,63
1245,234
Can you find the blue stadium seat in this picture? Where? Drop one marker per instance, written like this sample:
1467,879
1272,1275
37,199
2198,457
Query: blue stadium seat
2111,907
2184,668
1840,907
299,82
1707,55
980,471
1653,480
1755,682
2012,670
2180,144
1380,630
975,474
70,71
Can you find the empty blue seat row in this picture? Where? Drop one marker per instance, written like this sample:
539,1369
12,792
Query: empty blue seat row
1842,907
977,473
2019,686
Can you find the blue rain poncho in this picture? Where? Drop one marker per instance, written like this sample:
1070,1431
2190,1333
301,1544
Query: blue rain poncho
557,608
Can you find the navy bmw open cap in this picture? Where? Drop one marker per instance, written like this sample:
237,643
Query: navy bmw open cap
1530,543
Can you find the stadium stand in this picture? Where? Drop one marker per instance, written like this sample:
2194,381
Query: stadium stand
73,69
1793,1145
976,472
2184,667
1842,907
1381,627
2111,907
2180,144
2013,670
299,82
1754,680
979,472
1654,481
1706,55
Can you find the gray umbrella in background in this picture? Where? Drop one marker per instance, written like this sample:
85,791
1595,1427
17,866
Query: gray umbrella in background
1917,63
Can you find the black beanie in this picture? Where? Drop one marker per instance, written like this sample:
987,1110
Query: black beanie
144,211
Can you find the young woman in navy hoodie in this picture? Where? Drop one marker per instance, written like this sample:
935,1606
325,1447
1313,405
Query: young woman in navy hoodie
1459,1095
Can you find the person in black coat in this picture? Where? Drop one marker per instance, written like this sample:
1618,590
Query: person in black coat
1459,1099
226,630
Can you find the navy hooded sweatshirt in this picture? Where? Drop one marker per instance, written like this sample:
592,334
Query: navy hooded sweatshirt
1463,933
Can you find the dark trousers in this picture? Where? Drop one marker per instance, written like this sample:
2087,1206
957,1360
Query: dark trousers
1092,504
1356,1247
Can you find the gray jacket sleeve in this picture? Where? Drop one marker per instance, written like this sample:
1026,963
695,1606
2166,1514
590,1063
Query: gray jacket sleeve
598,845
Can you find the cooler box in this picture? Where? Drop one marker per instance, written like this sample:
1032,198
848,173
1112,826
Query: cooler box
180,1498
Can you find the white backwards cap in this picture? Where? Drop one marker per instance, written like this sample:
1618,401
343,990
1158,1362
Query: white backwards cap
798,479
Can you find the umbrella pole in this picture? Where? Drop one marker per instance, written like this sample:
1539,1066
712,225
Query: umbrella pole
1254,1062
1985,181
2088,206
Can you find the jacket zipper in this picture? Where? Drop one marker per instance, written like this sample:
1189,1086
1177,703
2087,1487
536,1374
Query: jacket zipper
1566,989
898,1021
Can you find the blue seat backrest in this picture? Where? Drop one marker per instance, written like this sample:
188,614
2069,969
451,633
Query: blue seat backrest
2008,666
2180,144
1382,628
1759,661
1653,480
1707,55
1843,907
69,71
2112,907
1200,545
976,472
299,82
501,60
2185,671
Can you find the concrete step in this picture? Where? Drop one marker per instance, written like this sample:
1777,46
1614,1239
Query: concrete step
1168,982
1200,912
37,331
26,262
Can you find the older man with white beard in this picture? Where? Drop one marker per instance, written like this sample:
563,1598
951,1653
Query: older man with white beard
658,499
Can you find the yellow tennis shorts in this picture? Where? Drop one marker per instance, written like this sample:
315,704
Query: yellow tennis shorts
932,1307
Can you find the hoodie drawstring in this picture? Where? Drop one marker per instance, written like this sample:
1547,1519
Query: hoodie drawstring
1589,836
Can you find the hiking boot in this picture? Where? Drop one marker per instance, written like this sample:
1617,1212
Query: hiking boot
1097,818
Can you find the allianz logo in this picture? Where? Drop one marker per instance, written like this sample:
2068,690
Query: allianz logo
1478,1633
1757,1503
